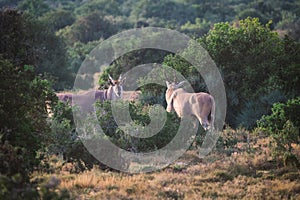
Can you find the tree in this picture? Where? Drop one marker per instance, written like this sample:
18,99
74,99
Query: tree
289,24
88,28
35,7
200,27
23,125
254,62
254,13
77,53
108,7
26,41
167,11
58,19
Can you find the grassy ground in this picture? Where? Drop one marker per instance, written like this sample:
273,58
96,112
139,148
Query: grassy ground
246,171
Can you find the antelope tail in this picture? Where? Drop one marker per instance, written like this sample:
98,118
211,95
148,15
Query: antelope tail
212,113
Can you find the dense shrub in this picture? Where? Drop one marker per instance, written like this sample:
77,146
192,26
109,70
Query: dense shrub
281,113
283,126
246,52
59,19
23,126
140,116
64,140
28,41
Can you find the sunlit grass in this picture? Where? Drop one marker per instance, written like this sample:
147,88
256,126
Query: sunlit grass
245,174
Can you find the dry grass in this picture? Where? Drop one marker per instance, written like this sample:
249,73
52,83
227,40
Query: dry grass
245,174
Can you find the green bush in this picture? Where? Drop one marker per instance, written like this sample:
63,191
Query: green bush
23,128
64,140
93,26
245,53
283,126
28,41
140,116
281,113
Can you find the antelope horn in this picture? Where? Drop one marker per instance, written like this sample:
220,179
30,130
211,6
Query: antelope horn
110,78
168,84
120,77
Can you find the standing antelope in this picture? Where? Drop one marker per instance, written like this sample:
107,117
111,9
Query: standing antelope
114,92
200,105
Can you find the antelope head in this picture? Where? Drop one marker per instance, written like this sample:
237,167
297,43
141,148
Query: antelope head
171,93
117,85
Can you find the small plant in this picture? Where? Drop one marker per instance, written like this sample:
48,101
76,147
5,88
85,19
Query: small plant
231,140
283,126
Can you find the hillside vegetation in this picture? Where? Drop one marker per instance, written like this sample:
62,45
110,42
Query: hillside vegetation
254,44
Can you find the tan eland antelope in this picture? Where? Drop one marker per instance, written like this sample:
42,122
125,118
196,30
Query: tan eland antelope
87,99
114,92
200,105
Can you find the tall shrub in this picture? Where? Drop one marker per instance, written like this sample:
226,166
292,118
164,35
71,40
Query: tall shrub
283,126
254,62
23,126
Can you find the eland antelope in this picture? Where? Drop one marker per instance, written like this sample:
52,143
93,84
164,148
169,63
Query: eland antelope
199,105
114,92
87,99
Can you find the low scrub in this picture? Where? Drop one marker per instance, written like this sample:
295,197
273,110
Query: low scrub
283,127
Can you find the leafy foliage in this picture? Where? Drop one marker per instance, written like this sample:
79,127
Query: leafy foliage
35,7
23,127
283,126
281,113
25,41
248,51
88,28
199,28
251,12
173,12
109,7
23,113
140,117
58,19
77,53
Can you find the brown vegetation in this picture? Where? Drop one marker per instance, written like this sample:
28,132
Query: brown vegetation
247,173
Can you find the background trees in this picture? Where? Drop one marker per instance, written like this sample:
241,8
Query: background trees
26,41
93,21
89,28
258,67
23,126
